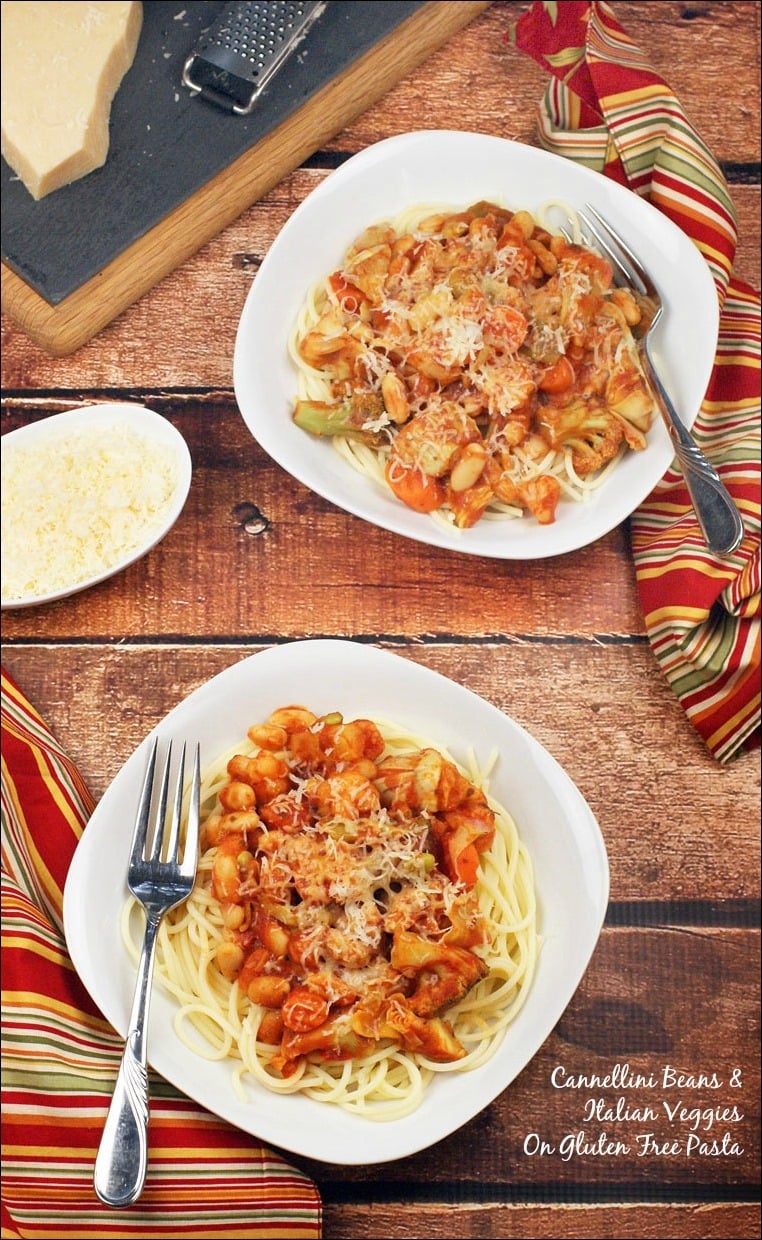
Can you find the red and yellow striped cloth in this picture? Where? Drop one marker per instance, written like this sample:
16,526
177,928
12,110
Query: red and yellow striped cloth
605,107
60,1057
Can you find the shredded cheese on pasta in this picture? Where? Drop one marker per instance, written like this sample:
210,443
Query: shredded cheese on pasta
441,330
375,878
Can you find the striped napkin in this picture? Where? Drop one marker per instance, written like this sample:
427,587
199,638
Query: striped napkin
605,107
60,1057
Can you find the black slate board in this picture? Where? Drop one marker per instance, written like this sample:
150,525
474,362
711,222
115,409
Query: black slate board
166,143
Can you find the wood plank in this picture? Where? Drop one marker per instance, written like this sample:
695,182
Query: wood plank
145,349
502,87
406,1220
63,328
477,81
677,826
338,566
627,1015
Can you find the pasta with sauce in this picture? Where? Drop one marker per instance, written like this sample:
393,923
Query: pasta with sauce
474,363
363,916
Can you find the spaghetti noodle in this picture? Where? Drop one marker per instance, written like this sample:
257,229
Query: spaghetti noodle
363,917
474,362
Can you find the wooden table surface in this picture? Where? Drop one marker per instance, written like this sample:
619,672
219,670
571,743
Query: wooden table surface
558,644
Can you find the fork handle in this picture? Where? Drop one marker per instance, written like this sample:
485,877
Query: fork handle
120,1167
715,510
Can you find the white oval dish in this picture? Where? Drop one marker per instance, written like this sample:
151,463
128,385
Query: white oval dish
76,429
453,168
554,821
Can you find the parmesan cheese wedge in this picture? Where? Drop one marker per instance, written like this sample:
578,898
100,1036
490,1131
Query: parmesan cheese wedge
62,64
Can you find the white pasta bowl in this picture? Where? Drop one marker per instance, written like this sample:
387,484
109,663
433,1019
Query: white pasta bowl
553,820
455,169
98,487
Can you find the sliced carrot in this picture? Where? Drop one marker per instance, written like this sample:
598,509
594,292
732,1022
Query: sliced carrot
349,296
558,377
416,489
466,865
506,326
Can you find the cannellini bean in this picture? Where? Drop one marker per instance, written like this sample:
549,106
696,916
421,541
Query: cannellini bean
369,269
403,245
233,915
374,234
524,222
358,739
225,877
229,957
469,466
268,766
266,774
274,936
237,796
268,736
268,991
293,718
428,308
546,260
315,347
213,830
365,767
236,823
622,298
432,223
395,397
270,1028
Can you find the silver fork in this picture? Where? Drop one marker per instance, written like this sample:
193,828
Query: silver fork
716,512
159,881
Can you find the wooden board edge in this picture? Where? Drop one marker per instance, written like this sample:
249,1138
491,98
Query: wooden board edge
65,327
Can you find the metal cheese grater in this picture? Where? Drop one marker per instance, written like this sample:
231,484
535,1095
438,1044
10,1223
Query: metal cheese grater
245,48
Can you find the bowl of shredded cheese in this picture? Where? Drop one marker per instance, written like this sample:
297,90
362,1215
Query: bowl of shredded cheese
84,494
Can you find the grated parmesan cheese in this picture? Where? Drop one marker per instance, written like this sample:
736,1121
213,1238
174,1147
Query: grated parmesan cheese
79,504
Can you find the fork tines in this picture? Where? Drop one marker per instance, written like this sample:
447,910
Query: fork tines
140,841
192,826
625,264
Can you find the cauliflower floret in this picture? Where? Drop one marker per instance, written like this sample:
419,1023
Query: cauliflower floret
430,440
627,395
591,433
